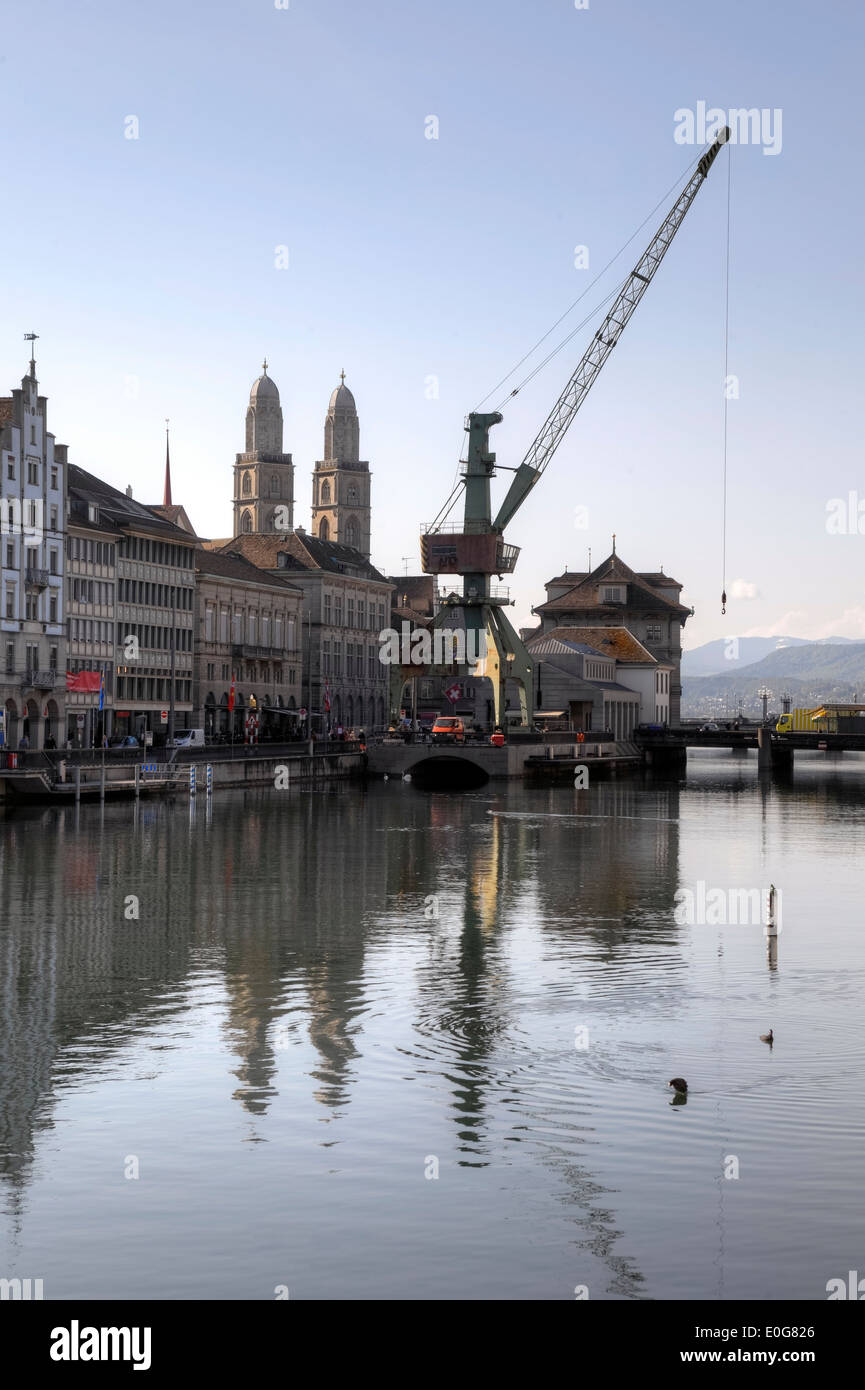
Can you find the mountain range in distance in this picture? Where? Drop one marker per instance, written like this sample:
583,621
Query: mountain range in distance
810,673
721,657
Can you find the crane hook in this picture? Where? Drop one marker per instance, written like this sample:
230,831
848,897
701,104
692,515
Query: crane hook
724,602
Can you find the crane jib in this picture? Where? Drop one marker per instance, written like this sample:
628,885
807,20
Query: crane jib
604,340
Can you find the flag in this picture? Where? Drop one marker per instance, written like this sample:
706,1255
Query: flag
231,696
454,692
102,689
327,697
83,682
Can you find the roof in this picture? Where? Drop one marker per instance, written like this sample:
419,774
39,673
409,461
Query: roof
343,401
175,514
263,388
551,644
616,642
119,508
302,552
7,409
584,595
228,565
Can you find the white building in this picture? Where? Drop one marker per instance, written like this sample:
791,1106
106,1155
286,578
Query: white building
32,519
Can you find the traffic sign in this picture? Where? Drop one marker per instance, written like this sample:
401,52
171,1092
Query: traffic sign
163,716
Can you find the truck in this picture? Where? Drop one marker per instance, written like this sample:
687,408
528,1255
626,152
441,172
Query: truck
802,721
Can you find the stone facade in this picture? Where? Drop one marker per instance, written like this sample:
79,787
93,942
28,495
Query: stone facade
263,474
341,483
247,630
346,604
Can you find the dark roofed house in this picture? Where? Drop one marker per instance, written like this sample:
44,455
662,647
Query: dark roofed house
613,596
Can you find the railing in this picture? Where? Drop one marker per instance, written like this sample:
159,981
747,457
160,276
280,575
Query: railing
38,578
39,680
246,651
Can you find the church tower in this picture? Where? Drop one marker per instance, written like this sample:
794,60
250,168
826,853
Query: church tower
263,474
341,482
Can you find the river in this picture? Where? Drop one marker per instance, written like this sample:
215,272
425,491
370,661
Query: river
375,1042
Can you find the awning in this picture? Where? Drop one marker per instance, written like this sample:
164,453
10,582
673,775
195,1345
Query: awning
549,714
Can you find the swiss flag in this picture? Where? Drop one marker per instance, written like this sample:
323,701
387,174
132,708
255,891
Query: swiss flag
231,697
454,692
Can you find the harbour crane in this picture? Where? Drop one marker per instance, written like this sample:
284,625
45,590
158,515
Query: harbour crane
477,550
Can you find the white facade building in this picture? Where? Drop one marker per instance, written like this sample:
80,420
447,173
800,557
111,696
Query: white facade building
32,520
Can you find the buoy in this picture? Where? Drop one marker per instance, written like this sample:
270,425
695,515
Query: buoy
406,777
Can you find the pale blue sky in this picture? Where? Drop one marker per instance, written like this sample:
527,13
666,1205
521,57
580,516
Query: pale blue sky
153,259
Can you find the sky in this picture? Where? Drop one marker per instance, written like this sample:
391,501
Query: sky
153,268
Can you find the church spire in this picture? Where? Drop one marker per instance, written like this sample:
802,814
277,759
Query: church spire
166,497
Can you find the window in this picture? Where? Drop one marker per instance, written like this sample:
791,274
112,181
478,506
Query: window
33,471
325,494
361,613
53,518
246,488
350,612
246,523
653,632
52,560
327,609
274,486
52,609
614,593
337,658
289,635
251,627
324,530
208,627
223,626
10,555
10,467
325,658
10,658
337,610
351,533
277,632
54,476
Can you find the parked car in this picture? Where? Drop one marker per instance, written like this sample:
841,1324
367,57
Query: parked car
649,729
710,728
448,729
128,741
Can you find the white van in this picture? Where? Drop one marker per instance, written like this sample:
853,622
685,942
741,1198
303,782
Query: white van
190,738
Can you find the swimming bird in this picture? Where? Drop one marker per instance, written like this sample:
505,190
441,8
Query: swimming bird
768,1037
679,1084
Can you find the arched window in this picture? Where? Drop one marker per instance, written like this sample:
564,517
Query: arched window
351,532
246,523
247,485
325,494
274,486
324,530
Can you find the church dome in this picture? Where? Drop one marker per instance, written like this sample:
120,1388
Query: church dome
263,388
342,400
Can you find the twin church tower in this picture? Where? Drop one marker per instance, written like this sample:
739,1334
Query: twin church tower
264,475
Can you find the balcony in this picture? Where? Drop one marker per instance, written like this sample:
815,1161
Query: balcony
246,651
39,680
36,578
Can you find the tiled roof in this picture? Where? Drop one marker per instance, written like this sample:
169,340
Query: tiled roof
616,642
613,570
309,552
228,565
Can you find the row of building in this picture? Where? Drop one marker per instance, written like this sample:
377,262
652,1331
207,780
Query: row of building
119,619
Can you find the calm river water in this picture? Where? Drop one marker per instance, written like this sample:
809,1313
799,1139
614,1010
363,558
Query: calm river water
288,1071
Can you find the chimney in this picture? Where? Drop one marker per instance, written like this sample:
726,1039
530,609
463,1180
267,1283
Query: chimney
128,489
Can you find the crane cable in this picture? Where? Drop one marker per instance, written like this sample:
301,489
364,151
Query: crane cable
726,389
660,203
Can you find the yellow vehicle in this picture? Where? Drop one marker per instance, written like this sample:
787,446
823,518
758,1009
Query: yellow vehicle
805,721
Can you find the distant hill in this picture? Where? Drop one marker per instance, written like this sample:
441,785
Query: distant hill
712,659
811,672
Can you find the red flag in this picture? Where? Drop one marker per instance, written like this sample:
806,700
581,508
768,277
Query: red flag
231,696
327,697
84,682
